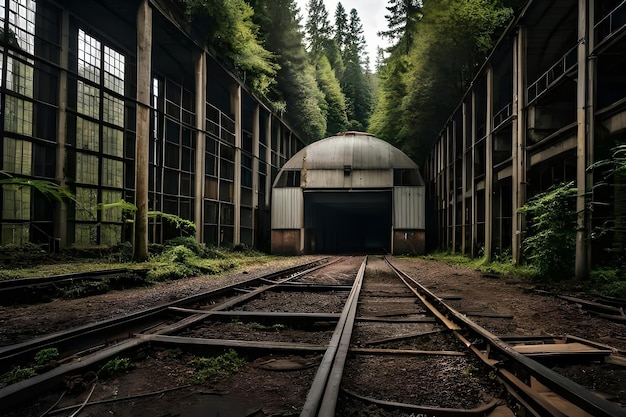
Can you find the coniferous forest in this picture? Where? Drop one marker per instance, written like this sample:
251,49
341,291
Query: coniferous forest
311,66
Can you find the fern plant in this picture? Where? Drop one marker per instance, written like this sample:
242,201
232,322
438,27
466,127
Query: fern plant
551,242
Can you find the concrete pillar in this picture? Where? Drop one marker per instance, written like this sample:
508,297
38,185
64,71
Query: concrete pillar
584,148
60,221
519,140
268,159
235,103
464,220
201,78
255,168
489,167
453,145
144,76
473,201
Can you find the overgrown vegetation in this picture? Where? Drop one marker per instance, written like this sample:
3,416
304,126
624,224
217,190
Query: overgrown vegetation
218,368
500,265
114,367
550,244
42,361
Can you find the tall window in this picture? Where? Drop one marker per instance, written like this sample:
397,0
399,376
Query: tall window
17,22
99,141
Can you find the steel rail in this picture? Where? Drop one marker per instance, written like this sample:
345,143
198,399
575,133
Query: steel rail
564,387
322,396
82,338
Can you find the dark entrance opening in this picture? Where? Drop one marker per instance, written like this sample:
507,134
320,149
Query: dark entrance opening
347,222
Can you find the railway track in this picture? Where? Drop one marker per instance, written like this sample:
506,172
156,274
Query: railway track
323,340
37,289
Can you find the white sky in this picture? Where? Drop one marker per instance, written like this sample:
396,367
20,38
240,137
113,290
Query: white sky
372,14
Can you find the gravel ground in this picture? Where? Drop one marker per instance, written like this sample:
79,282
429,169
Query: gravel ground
280,392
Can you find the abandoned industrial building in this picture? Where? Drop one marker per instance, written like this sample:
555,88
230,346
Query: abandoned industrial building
348,193
141,114
548,103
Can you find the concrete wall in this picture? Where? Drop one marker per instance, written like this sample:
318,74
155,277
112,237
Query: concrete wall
409,242
286,242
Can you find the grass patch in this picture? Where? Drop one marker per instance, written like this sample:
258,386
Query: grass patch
502,265
218,368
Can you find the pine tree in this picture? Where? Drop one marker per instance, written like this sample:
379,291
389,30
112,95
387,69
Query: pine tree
402,20
334,103
318,30
296,89
355,85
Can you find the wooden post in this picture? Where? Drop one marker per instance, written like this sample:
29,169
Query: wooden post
60,224
144,75
581,262
489,167
200,145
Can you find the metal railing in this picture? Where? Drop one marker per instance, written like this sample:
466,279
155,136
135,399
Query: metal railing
564,65
611,24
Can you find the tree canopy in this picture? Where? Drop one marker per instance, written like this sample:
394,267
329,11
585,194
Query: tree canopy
313,68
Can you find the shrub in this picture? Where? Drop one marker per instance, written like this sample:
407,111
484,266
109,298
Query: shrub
115,367
551,242
217,368
45,356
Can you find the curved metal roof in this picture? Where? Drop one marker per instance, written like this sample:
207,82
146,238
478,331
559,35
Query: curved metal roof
355,150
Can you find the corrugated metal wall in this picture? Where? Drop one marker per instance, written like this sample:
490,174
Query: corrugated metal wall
287,208
408,208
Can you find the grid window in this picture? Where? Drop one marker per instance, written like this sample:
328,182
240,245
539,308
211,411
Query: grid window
15,234
86,234
20,77
112,142
17,156
88,100
86,204
88,57
87,135
86,169
113,110
112,173
110,234
111,214
18,116
16,202
22,22
113,70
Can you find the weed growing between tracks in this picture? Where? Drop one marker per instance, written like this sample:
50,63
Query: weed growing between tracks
43,361
218,368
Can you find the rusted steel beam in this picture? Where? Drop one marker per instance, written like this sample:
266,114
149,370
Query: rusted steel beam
239,344
338,348
481,411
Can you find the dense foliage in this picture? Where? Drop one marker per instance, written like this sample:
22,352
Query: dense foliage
551,242
441,44
313,69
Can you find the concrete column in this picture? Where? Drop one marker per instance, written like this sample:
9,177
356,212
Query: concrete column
255,168
474,218
268,159
235,103
455,186
201,78
142,163
60,221
464,224
489,167
584,148
519,140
